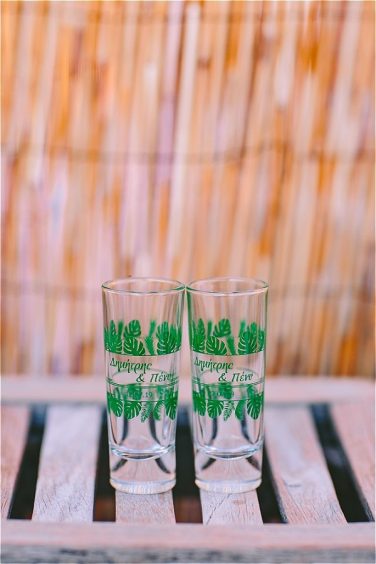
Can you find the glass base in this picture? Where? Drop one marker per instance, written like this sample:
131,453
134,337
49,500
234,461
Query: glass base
228,475
142,476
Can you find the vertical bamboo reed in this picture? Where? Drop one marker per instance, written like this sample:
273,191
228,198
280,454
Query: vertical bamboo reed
188,139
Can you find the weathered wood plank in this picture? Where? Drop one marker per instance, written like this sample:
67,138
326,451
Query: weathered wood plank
107,542
14,426
65,487
145,509
92,389
304,488
222,509
355,423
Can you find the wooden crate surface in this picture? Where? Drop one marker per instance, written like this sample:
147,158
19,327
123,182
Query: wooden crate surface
314,517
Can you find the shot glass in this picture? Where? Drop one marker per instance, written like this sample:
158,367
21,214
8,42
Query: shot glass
227,334
142,341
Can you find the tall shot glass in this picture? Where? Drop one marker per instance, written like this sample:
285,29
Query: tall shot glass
227,333
142,340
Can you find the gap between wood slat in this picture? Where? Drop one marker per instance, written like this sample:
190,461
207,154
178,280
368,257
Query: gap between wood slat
304,488
14,426
355,424
66,481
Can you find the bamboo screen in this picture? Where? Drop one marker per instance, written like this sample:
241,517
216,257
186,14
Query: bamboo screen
188,139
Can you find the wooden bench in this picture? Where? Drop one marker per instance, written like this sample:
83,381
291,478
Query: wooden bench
316,502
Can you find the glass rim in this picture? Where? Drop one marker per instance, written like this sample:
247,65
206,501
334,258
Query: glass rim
176,286
261,289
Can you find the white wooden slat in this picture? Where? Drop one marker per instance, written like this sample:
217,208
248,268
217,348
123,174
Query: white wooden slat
222,509
145,509
355,423
14,426
25,541
67,468
304,488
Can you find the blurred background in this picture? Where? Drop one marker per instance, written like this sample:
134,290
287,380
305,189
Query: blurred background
188,139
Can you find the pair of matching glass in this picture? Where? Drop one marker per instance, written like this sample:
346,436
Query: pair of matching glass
143,338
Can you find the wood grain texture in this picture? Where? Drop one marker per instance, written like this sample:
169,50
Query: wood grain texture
145,509
355,423
14,426
287,389
231,509
304,488
111,542
67,469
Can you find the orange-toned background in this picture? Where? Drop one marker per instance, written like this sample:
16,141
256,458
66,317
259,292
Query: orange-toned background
188,139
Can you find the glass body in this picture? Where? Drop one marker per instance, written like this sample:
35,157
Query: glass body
142,339
227,333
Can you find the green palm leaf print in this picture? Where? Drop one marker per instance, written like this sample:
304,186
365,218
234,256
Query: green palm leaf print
223,328
215,408
133,346
215,346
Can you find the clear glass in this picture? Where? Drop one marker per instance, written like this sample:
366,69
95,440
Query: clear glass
227,334
142,339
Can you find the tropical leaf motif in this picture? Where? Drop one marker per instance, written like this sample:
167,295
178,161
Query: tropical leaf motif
133,391
252,340
215,346
146,411
192,332
225,390
228,409
215,408
231,344
198,343
152,327
199,403
239,411
242,328
133,346
167,338
149,342
132,409
209,328
223,328
112,338
157,410
201,328
254,403
114,404
171,403
133,329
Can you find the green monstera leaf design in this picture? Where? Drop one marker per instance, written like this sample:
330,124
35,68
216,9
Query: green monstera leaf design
133,346
251,340
223,328
215,408
199,402
228,409
132,409
254,403
215,346
147,410
112,337
239,411
157,411
115,404
171,403
197,336
225,390
133,329
168,338
133,391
